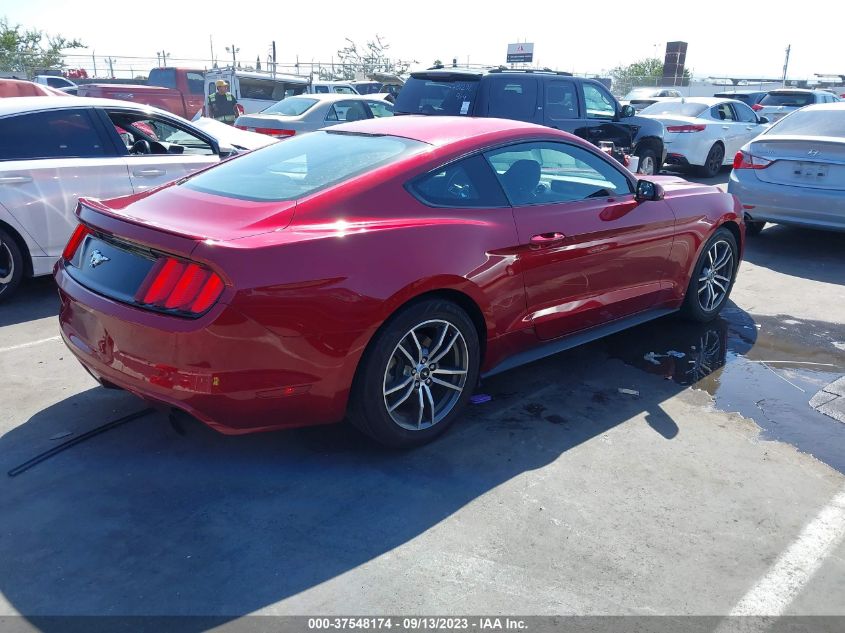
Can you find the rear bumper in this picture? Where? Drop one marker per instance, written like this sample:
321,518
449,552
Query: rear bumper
786,204
224,369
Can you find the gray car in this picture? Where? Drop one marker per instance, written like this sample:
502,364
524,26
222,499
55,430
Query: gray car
310,112
794,173
778,103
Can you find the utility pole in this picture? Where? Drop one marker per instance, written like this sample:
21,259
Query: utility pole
111,66
94,59
786,64
162,58
211,44
232,49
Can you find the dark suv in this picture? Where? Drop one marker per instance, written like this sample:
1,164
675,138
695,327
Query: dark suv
581,106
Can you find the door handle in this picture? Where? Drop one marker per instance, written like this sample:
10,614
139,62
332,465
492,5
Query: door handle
750,127
14,180
726,127
544,239
149,173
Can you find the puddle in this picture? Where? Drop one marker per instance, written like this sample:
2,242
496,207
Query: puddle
766,368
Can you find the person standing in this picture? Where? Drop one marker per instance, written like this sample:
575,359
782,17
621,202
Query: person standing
222,105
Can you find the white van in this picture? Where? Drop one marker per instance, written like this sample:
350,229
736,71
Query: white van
256,90
333,87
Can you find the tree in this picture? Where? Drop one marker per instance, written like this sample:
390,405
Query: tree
367,59
30,50
645,72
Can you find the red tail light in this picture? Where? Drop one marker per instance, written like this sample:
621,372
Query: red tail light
744,160
680,129
269,131
172,284
75,240
756,107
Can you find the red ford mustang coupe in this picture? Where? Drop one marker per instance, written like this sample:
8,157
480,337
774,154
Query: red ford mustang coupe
376,270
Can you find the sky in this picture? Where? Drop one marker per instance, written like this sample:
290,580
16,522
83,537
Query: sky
584,37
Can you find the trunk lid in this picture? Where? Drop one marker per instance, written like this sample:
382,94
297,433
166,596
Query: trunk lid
197,215
813,163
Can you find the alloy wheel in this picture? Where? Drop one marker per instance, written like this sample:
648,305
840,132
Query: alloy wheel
425,375
7,264
715,159
647,165
715,278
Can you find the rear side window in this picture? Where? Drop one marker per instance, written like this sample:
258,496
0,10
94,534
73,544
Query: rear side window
301,165
561,102
347,111
446,96
54,134
466,183
722,112
513,98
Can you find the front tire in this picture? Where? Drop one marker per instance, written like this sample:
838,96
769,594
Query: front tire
712,278
417,374
11,265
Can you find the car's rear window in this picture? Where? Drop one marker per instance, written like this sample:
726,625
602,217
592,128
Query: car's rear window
302,165
675,107
439,96
811,123
292,106
797,99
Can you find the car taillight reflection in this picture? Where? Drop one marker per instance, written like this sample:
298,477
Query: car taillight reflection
756,107
269,131
172,284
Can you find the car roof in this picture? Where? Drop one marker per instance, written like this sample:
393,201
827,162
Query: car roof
794,90
742,92
438,130
20,105
707,101
447,71
835,105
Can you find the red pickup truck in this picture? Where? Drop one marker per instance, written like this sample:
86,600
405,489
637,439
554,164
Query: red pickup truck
177,90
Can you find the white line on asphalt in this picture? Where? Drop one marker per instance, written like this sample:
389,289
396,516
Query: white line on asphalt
776,590
30,344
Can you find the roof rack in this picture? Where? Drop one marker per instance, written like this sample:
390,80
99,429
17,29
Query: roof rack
505,69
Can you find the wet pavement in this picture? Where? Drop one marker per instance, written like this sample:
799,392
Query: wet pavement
765,368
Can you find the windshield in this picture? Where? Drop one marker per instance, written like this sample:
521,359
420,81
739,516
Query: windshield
640,93
811,123
292,106
301,165
445,96
796,99
678,108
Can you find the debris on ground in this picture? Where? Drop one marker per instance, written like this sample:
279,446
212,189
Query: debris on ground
630,392
480,398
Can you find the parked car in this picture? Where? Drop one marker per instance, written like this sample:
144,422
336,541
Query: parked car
749,97
175,90
332,87
705,132
778,103
59,83
55,149
557,100
794,173
22,88
642,97
306,113
254,90
423,252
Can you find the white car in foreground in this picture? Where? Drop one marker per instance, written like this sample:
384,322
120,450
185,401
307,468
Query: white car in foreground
55,149
705,132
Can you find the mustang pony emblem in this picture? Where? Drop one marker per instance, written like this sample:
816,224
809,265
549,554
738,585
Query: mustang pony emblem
98,258
813,152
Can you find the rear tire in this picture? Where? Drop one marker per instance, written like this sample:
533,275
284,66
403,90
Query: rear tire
712,278
714,163
428,353
11,265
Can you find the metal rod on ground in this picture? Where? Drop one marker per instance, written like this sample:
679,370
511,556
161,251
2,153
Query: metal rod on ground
77,440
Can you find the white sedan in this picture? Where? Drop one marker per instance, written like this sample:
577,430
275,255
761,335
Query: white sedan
705,132
55,149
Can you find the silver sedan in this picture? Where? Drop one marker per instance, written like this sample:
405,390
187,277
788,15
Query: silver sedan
309,112
794,173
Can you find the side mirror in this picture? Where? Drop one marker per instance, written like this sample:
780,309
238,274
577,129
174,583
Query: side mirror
628,111
648,190
762,120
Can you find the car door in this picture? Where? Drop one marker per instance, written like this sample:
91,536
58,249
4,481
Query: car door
562,107
748,123
589,252
48,159
603,117
379,108
158,149
730,130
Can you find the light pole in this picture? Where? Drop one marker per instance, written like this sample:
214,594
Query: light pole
232,49
162,58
